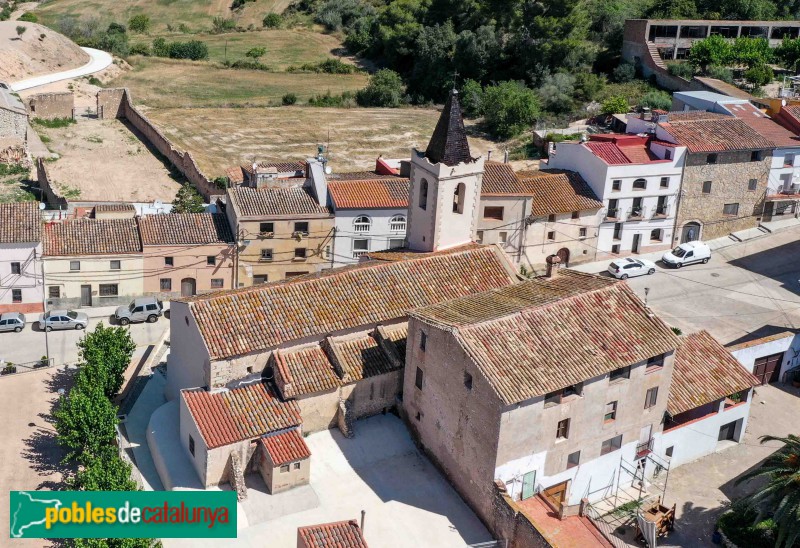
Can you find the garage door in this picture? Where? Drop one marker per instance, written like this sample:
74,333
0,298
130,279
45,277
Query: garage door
768,368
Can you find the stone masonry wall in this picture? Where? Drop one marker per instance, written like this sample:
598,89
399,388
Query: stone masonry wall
13,124
43,178
511,524
109,103
49,106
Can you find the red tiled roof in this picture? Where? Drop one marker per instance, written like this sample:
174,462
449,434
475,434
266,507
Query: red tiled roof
704,372
235,174
764,125
239,414
92,237
518,336
716,135
368,293
358,176
370,193
286,447
499,178
21,223
341,534
621,149
280,167
305,370
185,229
361,357
789,117
275,201
114,208
557,191
695,115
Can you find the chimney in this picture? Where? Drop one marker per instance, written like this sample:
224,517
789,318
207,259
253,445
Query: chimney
505,156
363,513
553,264
489,155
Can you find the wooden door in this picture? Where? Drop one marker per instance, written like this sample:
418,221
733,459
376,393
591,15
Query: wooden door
637,243
86,295
528,485
556,494
768,368
727,431
188,287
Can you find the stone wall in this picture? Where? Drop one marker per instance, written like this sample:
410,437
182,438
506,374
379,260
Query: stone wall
512,525
109,103
49,106
54,200
13,124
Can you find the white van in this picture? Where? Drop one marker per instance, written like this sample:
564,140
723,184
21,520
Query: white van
688,253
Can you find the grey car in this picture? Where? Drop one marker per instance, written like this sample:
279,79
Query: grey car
12,321
63,319
143,309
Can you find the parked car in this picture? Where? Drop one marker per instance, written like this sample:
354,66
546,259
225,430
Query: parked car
63,319
687,253
12,321
143,309
629,268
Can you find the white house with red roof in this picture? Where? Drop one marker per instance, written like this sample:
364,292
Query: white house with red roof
637,178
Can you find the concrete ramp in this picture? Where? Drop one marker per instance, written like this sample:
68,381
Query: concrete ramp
173,465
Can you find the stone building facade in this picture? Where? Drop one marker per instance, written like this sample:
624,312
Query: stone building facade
51,106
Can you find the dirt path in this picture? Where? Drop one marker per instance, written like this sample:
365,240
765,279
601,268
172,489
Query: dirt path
22,9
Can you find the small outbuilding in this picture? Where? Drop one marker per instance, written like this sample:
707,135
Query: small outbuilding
285,461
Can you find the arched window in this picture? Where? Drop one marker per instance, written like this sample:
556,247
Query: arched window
458,198
397,223
362,224
639,184
423,194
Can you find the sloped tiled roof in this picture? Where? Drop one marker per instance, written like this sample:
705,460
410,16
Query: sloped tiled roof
239,414
370,193
448,144
558,192
286,447
268,202
695,115
362,357
185,228
280,167
789,117
398,334
518,336
704,372
358,176
341,534
764,125
373,292
716,135
499,178
114,208
92,237
621,149
305,370
21,223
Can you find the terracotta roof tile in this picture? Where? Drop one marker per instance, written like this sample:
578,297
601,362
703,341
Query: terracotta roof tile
185,228
704,372
21,222
518,336
114,208
235,174
92,237
370,193
373,292
694,115
279,167
342,534
499,178
716,135
764,125
358,176
558,192
286,447
239,414
305,370
275,201
362,357
616,149
398,335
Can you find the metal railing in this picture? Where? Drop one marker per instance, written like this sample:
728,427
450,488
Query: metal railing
661,211
645,448
9,368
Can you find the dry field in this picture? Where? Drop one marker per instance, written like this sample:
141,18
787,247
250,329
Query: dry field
103,160
219,138
38,51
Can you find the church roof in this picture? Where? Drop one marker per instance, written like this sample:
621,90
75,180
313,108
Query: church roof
449,144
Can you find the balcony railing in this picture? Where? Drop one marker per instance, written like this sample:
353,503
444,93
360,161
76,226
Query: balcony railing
612,213
661,212
357,254
645,448
636,213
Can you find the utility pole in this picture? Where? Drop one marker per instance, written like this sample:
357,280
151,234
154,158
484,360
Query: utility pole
44,305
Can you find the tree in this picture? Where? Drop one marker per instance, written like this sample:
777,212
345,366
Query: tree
472,98
85,421
615,105
509,108
673,9
721,73
255,53
714,50
21,30
557,92
139,23
660,100
106,353
751,51
104,472
432,74
272,21
789,53
759,75
781,494
188,201
385,89
624,72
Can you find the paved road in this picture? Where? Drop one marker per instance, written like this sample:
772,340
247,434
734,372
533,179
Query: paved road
99,61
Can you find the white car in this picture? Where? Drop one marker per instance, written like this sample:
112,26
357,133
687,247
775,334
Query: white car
628,268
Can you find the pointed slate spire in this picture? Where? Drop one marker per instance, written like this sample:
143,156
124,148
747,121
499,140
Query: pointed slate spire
449,144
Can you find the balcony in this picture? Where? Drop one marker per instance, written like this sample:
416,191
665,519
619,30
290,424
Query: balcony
644,448
358,254
636,213
611,214
661,212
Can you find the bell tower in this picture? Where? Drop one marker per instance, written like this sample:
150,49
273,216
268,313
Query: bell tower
445,187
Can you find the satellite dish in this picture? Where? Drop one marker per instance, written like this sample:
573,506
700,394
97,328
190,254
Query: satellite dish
328,170
42,205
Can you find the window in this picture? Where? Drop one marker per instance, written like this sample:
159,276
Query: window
503,236
669,451
637,210
217,283
611,445
53,292
165,284
191,445
551,219
169,261
260,279
15,268
284,468
266,255
16,295
664,182
616,184
562,431
576,214
706,187
621,373
651,397
615,249
656,362
301,228
109,290
655,235
668,154
458,198
639,184
211,260
756,156
611,412
74,265
423,194
418,378
711,159
396,243
296,466
491,212
115,265
266,228
360,247
423,340
551,235
397,223
467,380
582,232
788,160
479,236
362,224
555,398
573,460
752,184
730,209
300,253
613,208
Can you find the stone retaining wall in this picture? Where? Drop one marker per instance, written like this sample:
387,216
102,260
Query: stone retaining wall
50,106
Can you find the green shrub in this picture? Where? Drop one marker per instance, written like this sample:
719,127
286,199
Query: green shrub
720,73
246,64
28,17
682,70
12,169
21,30
660,100
139,23
193,49
255,53
739,525
272,21
759,75
95,81
222,24
624,72
54,123
239,4
345,100
471,97
140,49
328,66
615,105
509,108
385,89
289,99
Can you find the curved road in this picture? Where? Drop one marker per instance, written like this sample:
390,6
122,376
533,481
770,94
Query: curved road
99,61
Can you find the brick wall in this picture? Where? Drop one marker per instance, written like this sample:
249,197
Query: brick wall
49,106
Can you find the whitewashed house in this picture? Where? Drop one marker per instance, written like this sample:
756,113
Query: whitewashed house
20,258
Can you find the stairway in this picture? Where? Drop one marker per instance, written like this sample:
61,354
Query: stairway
655,56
